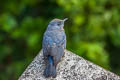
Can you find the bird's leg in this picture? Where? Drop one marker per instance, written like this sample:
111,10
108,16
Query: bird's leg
45,59
63,55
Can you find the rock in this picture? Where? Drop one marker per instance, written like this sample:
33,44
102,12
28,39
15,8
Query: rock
71,67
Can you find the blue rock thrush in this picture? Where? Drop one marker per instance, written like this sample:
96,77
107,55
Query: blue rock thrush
54,44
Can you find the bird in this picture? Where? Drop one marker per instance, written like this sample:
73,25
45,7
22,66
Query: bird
53,45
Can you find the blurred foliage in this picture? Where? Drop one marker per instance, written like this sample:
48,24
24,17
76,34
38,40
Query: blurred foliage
93,31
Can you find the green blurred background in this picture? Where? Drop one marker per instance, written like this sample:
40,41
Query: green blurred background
93,31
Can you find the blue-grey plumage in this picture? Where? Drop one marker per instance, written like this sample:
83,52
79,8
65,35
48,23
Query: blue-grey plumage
50,68
54,44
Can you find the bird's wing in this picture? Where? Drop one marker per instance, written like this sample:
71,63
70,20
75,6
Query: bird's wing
54,45
46,43
52,41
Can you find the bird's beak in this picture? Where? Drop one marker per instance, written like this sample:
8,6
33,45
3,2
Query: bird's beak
63,23
65,19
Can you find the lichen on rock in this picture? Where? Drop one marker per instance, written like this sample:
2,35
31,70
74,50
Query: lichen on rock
71,67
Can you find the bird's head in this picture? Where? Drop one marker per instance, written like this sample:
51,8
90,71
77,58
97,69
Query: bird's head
57,24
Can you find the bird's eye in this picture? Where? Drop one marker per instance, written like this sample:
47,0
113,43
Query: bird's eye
59,23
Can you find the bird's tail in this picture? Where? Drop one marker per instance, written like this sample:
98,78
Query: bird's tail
50,68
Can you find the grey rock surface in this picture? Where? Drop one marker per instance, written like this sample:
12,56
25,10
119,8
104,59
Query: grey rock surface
71,67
